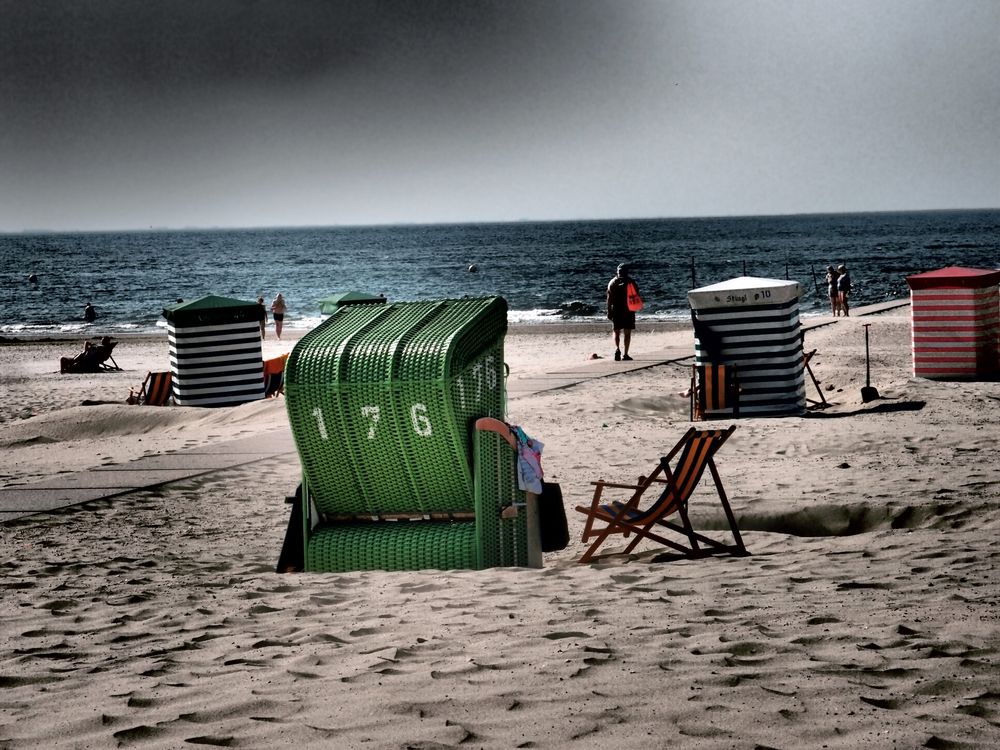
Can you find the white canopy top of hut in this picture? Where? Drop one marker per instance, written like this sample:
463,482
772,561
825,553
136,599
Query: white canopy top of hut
744,291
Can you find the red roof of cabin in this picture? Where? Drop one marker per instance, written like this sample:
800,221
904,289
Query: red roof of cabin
954,277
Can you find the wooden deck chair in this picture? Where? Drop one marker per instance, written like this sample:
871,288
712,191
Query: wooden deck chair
113,367
274,376
822,403
715,392
92,359
109,347
155,390
696,449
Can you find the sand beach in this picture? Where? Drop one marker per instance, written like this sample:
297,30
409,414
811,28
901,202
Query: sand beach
867,615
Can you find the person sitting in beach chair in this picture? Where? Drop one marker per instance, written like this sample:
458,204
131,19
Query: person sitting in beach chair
154,391
696,450
91,359
109,347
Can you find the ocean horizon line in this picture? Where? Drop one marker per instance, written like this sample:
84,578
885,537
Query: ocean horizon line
545,271
487,223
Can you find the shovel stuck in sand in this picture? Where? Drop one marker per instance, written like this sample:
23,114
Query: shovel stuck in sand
868,393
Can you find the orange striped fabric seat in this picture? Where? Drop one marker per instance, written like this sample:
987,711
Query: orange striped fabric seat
274,376
714,389
695,452
155,390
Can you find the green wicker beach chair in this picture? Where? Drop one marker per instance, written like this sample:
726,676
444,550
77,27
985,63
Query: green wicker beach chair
383,402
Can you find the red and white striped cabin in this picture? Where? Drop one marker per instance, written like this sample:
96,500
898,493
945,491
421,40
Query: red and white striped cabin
956,323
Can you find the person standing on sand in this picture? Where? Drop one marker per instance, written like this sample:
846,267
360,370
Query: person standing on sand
622,319
831,290
844,288
263,321
278,308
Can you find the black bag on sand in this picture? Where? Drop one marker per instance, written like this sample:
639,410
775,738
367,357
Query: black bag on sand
552,518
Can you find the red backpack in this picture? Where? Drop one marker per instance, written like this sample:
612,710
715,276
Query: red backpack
634,301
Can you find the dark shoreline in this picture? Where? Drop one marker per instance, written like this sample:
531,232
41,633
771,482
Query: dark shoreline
563,327
294,334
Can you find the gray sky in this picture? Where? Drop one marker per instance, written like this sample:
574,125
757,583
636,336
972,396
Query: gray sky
118,114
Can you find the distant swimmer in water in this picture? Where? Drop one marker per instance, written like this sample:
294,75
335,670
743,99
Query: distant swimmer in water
89,313
32,278
473,268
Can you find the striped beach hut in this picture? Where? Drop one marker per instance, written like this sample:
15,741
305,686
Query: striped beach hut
753,323
216,355
956,322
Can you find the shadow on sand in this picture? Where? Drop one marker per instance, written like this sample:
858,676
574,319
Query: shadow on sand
880,408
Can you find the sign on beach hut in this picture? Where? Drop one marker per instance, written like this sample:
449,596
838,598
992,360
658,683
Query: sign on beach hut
956,321
753,323
216,355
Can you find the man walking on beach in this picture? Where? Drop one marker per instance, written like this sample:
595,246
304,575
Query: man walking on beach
621,317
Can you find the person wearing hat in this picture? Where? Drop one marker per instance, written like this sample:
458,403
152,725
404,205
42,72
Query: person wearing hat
844,288
622,319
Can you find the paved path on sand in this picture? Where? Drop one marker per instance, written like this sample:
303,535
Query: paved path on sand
149,472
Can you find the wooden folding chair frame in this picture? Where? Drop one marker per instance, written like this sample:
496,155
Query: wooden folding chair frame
822,403
113,367
672,500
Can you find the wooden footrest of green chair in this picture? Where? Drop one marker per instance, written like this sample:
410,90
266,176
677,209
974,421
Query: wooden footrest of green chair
398,545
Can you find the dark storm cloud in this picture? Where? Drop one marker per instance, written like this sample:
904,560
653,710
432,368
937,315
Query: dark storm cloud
233,112
115,108
122,75
52,47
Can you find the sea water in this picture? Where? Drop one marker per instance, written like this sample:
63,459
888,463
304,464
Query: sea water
551,271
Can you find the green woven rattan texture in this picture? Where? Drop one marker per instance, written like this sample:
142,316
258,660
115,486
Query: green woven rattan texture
381,399
399,545
311,394
503,541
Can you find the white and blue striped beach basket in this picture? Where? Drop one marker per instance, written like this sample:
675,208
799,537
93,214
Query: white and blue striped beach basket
753,323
